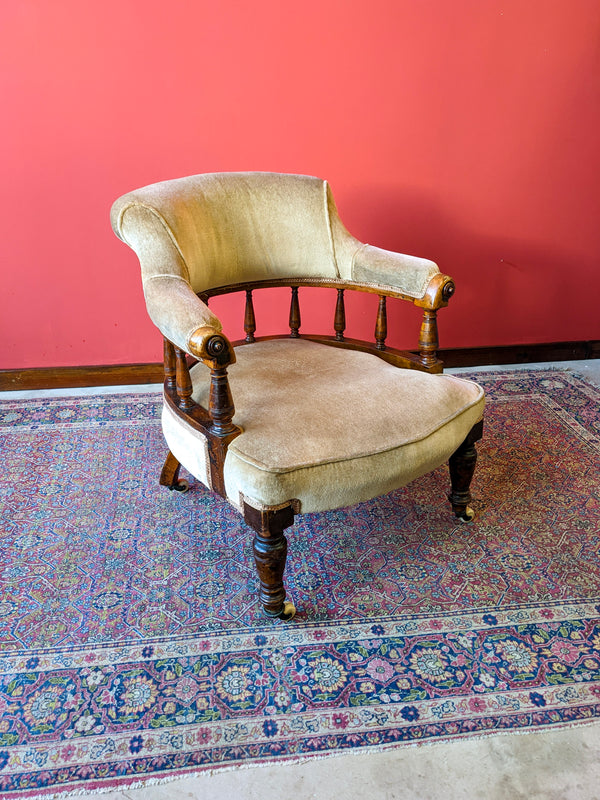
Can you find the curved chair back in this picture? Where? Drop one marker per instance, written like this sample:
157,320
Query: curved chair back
227,228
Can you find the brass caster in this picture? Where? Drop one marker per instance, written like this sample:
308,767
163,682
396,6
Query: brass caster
467,515
181,486
289,611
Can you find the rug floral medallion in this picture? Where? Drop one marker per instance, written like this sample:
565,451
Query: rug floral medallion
132,647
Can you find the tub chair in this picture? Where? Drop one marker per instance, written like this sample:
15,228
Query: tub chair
298,422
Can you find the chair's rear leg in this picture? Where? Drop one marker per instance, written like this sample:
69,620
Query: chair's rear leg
169,476
270,552
462,466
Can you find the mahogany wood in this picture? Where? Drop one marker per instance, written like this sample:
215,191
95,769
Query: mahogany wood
217,450
270,553
216,422
428,340
330,283
221,408
249,318
462,466
170,472
197,416
295,320
381,324
339,322
170,364
183,381
200,419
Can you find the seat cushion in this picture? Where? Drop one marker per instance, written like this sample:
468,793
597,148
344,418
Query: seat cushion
328,427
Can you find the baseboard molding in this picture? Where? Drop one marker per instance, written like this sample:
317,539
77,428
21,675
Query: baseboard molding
77,377
125,374
520,354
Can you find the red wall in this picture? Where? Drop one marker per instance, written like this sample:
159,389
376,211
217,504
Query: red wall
461,130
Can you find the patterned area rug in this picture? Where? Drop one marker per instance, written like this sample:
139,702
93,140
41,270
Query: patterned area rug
131,646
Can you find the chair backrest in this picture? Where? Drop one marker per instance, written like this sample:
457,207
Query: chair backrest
227,228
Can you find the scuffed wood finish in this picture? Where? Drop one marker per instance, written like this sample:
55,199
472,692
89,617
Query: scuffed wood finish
439,291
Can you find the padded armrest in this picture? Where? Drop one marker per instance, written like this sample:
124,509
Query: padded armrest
407,274
179,314
172,304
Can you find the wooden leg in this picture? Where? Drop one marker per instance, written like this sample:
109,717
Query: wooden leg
169,476
270,552
462,466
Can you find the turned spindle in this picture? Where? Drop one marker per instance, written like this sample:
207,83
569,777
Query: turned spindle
428,339
339,323
295,314
169,364
381,324
221,408
184,381
249,319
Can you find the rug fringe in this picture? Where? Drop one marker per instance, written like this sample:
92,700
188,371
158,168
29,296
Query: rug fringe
118,786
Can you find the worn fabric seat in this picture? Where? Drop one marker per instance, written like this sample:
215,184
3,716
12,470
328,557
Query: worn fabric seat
282,425
313,431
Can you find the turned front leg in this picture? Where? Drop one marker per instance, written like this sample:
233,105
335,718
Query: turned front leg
270,553
462,466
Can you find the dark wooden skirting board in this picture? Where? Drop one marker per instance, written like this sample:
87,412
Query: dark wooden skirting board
75,377
124,374
520,354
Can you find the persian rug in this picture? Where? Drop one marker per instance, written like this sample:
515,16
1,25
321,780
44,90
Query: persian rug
131,644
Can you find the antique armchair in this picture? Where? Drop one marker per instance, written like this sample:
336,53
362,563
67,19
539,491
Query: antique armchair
319,421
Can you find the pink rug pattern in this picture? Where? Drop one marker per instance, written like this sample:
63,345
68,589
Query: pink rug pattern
132,648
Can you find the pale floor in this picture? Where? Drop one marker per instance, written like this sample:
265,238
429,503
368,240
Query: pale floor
554,765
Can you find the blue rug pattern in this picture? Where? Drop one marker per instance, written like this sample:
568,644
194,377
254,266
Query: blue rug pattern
132,647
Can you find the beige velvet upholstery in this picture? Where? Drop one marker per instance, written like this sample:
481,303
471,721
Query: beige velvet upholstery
203,231
313,431
304,423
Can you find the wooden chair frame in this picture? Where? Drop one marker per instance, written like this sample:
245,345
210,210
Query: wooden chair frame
216,421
